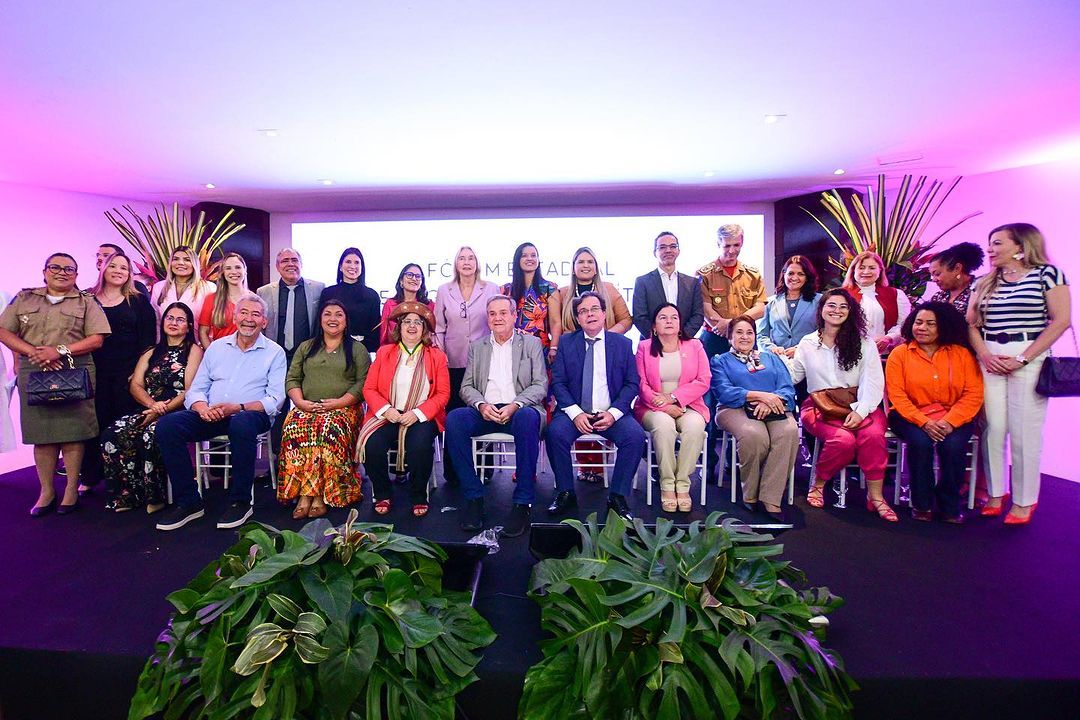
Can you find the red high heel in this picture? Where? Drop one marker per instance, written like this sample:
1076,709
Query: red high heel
882,509
1011,519
996,511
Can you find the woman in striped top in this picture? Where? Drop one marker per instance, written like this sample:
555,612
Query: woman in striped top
1016,313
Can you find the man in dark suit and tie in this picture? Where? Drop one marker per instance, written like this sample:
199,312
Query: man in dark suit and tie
292,303
594,378
667,285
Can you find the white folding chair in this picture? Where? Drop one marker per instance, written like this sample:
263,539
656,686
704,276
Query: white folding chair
391,460
607,452
971,468
702,466
840,485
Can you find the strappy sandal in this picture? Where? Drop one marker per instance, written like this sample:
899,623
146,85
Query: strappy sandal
882,509
668,501
684,500
419,510
816,496
382,507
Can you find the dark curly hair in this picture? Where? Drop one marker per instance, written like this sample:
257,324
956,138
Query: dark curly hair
967,255
809,288
851,333
951,326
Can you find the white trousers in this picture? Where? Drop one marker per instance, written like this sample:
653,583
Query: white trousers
1013,408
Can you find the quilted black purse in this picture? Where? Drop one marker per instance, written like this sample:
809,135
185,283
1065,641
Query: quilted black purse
57,387
1060,376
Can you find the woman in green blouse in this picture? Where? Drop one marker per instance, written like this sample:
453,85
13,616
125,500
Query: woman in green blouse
324,384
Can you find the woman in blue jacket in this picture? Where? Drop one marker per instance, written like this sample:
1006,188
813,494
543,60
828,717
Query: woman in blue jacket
791,313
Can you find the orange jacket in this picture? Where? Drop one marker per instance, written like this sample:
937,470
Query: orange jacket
380,379
951,379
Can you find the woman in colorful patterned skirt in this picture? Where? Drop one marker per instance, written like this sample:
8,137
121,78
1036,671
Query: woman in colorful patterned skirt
130,456
324,384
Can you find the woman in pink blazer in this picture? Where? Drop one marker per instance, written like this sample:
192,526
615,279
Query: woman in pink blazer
674,372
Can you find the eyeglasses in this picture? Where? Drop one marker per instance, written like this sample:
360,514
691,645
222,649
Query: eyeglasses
412,276
590,310
673,246
62,269
464,308
834,307
413,323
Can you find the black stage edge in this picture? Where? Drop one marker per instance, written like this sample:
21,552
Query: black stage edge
979,621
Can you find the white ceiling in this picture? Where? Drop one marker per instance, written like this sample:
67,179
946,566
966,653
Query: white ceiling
457,103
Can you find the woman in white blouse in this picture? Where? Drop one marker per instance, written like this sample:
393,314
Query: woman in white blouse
183,283
848,421
885,307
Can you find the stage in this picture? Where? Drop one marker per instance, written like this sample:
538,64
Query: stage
977,621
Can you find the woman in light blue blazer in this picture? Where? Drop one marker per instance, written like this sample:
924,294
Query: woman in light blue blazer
791,313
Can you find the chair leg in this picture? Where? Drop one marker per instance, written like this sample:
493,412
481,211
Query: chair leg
841,501
733,462
973,473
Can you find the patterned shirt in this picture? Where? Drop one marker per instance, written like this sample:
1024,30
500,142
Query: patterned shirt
961,301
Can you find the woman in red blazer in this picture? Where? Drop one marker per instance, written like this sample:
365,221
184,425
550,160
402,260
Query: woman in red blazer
406,391
674,372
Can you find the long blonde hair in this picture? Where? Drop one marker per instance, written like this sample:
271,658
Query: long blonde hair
221,296
128,288
457,276
1032,246
170,282
568,319
849,278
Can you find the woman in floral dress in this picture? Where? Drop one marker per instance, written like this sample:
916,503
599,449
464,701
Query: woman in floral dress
538,304
130,457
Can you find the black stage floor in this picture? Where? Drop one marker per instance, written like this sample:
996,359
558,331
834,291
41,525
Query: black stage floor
978,621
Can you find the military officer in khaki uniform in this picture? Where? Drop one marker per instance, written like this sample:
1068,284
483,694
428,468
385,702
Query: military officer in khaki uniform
728,289
44,327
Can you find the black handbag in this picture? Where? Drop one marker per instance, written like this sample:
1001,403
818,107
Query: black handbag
1060,376
58,387
771,417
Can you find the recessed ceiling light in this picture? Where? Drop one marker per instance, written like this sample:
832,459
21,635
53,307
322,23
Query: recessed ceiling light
774,118
269,132
708,173
838,171
209,186
326,181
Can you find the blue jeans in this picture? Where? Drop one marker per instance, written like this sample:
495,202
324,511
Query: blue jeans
175,430
465,423
626,433
920,452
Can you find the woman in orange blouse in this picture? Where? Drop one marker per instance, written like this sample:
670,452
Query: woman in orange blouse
936,389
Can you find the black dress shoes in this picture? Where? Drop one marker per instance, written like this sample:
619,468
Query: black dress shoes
517,522
42,510
63,509
472,518
563,502
618,504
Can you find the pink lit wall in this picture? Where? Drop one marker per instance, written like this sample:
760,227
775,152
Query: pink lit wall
1044,195
35,222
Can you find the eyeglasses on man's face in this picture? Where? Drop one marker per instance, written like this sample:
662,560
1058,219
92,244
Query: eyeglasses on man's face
61,269
590,310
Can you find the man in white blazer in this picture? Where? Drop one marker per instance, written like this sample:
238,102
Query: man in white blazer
293,304
666,285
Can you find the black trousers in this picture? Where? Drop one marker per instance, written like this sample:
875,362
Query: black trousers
419,456
457,375
920,454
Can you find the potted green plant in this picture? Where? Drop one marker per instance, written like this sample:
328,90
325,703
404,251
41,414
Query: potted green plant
894,229
674,623
156,236
324,623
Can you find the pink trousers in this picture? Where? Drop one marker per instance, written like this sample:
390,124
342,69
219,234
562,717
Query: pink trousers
865,444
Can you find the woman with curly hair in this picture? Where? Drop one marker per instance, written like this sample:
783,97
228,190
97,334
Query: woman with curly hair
843,375
789,314
952,270
936,390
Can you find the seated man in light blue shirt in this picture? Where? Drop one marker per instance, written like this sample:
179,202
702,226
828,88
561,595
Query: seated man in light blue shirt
237,391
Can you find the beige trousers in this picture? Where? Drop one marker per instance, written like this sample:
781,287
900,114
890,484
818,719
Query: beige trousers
690,430
767,453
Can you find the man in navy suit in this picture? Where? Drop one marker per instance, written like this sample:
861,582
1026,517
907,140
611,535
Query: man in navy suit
594,378
666,285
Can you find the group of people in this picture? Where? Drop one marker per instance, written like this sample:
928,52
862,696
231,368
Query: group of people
189,360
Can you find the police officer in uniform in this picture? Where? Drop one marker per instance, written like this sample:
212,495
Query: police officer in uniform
728,289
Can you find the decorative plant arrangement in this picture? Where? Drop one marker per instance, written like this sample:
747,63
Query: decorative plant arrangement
895,234
694,623
157,235
325,623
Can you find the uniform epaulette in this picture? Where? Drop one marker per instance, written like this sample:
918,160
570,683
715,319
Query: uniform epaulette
751,268
704,269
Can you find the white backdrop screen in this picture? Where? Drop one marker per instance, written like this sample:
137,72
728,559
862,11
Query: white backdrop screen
623,245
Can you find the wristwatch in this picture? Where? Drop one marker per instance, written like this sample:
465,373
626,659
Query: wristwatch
1021,359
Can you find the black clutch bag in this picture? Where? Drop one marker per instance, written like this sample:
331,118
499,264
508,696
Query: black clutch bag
1060,376
57,387
749,410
